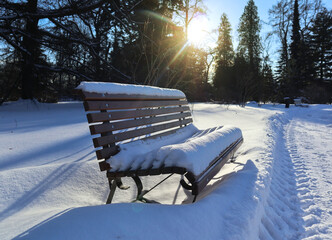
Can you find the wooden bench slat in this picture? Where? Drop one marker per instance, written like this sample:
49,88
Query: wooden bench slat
103,97
119,115
103,166
108,152
103,141
107,127
113,105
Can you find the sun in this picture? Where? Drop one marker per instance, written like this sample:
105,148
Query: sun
197,32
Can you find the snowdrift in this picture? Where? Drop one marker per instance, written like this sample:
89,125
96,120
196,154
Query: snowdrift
278,188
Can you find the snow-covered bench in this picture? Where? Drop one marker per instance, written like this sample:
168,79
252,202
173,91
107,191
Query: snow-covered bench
144,130
298,103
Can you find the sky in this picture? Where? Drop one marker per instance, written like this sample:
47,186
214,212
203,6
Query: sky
234,9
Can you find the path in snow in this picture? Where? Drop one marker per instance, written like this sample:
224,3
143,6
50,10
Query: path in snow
309,141
298,202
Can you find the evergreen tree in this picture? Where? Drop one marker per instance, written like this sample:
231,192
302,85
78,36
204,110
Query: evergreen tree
152,55
250,47
321,43
296,77
244,84
225,52
249,29
224,59
319,89
269,85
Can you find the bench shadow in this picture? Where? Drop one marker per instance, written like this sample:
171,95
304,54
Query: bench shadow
56,178
16,160
25,233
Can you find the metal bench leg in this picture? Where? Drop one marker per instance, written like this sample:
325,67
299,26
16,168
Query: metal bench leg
120,184
186,185
113,185
139,186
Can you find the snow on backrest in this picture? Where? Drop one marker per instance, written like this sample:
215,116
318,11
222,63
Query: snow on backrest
128,89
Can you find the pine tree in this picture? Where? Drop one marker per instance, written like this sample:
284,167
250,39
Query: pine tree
320,41
249,30
319,88
295,52
225,52
224,58
269,86
250,48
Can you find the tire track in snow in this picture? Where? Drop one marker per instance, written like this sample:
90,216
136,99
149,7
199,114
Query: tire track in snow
308,143
282,213
297,202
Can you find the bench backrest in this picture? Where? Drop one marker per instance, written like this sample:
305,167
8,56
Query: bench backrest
119,118
297,101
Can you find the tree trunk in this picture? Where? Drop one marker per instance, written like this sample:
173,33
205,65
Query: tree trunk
186,20
31,54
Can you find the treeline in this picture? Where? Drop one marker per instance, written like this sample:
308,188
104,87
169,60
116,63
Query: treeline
304,68
304,29
49,47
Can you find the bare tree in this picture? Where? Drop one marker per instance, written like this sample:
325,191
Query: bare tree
28,28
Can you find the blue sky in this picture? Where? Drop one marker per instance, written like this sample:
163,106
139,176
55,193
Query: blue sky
234,10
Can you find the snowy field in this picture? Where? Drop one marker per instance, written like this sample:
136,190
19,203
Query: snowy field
279,187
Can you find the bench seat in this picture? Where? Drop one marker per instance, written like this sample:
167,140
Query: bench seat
185,148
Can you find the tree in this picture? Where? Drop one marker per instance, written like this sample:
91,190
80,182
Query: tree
197,86
321,44
225,52
250,46
280,20
152,54
269,87
29,38
249,38
189,9
244,85
292,76
296,78
319,89
224,59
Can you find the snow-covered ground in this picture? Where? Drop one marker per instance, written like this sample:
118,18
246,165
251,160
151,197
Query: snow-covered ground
279,187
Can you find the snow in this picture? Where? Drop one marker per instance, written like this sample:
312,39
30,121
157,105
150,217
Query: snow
279,187
185,148
120,88
135,153
192,153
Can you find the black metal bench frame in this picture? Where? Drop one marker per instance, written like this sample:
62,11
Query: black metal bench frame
110,113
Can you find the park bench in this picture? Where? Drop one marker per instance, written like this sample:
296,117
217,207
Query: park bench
143,131
298,103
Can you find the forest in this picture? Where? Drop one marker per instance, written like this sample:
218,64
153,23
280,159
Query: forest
48,47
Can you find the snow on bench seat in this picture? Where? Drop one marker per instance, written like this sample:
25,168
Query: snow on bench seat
189,148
